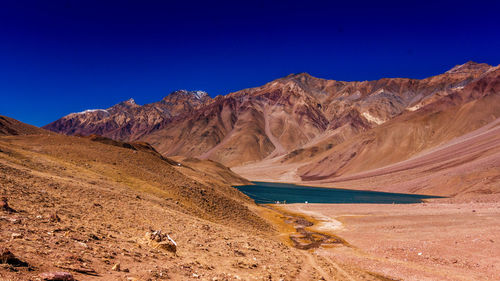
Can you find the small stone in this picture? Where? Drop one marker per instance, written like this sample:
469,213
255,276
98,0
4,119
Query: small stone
12,220
239,253
54,218
16,236
4,205
57,276
116,267
7,257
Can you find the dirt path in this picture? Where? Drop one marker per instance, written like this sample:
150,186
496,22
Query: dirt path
312,262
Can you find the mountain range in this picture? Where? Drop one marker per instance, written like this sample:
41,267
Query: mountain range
105,195
305,129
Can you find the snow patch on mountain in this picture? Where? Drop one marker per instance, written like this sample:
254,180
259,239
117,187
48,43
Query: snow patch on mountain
83,113
199,94
90,111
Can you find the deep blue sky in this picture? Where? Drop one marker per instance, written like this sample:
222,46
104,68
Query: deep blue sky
58,57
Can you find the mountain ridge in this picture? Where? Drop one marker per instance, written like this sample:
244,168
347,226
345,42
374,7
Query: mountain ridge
296,118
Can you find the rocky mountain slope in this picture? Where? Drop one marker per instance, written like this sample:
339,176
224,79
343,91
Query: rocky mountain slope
311,129
446,147
435,123
91,208
127,120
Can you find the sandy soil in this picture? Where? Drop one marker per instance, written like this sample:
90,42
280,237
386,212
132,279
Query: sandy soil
82,207
73,214
269,170
428,241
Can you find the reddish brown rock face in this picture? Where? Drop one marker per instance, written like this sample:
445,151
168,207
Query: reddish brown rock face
127,120
291,113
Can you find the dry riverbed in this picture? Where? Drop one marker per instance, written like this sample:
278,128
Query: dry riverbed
428,241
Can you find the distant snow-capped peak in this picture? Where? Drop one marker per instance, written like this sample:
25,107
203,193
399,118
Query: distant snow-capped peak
91,110
196,94
199,94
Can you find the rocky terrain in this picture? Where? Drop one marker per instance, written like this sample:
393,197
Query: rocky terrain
448,147
144,192
306,129
128,120
91,208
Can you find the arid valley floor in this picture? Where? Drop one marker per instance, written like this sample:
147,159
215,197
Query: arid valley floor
145,192
74,206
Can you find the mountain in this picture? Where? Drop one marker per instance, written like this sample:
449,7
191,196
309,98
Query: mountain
305,128
127,120
448,146
296,111
461,111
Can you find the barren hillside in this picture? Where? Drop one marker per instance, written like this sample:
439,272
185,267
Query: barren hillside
91,208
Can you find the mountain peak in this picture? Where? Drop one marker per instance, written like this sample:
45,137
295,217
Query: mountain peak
199,95
129,102
299,75
469,66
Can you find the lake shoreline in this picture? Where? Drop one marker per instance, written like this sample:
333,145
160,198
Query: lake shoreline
276,193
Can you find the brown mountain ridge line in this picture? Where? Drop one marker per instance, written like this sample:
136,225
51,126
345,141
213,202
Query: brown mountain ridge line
304,128
145,192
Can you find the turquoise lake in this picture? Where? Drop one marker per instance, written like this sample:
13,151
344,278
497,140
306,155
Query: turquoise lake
269,193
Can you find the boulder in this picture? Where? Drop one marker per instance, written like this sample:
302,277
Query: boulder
7,257
158,240
57,276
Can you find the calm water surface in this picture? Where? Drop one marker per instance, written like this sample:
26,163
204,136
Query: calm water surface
269,193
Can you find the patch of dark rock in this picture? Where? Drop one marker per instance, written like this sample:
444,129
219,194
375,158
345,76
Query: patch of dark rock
94,237
82,270
4,205
239,253
7,257
54,218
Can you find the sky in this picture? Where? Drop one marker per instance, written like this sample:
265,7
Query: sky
58,57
